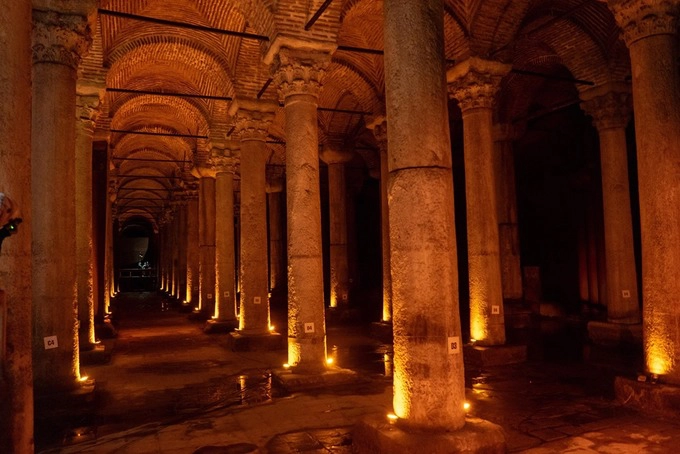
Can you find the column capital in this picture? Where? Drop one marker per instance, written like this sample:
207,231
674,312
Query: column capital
609,105
224,164
253,117
640,19
60,38
299,70
475,82
88,108
204,169
379,127
336,151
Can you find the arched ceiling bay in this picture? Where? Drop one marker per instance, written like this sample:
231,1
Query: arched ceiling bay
171,80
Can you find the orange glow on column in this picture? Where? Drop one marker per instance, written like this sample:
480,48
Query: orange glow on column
479,321
659,354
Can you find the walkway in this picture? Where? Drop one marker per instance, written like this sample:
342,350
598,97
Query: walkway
172,389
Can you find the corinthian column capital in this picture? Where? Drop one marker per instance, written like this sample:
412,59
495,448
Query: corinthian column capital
298,68
642,18
60,38
609,106
475,82
253,118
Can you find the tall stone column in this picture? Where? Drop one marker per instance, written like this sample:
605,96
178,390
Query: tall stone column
86,113
253,119
191,299
335,155
610,108
182,248
429,386
650,31
474,84
298,74
206,239
380,133
59,41
225,301
16,399
506,197
277,248
108,243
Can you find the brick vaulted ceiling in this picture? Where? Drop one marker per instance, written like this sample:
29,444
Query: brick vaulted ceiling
569,38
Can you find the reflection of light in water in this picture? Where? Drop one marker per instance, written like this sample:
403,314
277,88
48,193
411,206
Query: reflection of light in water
253,390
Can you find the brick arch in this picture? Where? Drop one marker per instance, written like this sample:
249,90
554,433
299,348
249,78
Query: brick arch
167,147
207,71
456,36
517,92
578,50
177,114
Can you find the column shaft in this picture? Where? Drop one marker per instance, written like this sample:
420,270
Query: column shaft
85,254
16,407
182,254
277,250
306,317
429,387
206,227
192,251
385,234
656,97
224,245
508,230
254,313
621,276
337,209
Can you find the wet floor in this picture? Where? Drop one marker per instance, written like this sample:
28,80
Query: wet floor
170,388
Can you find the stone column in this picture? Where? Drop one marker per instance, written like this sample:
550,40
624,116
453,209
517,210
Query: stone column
380,133
650,31
335,155
192,288
175,248
86,113
108,244
206,239
277,249
474,84
506,197
59,41
182,248
253,119
16,399
298,75
610,108
225,301
429,386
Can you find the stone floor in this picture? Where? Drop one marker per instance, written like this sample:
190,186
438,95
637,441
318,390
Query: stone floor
169,388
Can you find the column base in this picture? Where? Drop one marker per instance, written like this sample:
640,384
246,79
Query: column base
58,400
198,315
105,330
378,435
614,334
186,307
653,399
498,355
97,355
341,315
240,342
291,381
220,326
382,331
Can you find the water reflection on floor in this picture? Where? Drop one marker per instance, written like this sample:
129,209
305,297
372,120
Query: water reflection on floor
165,371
